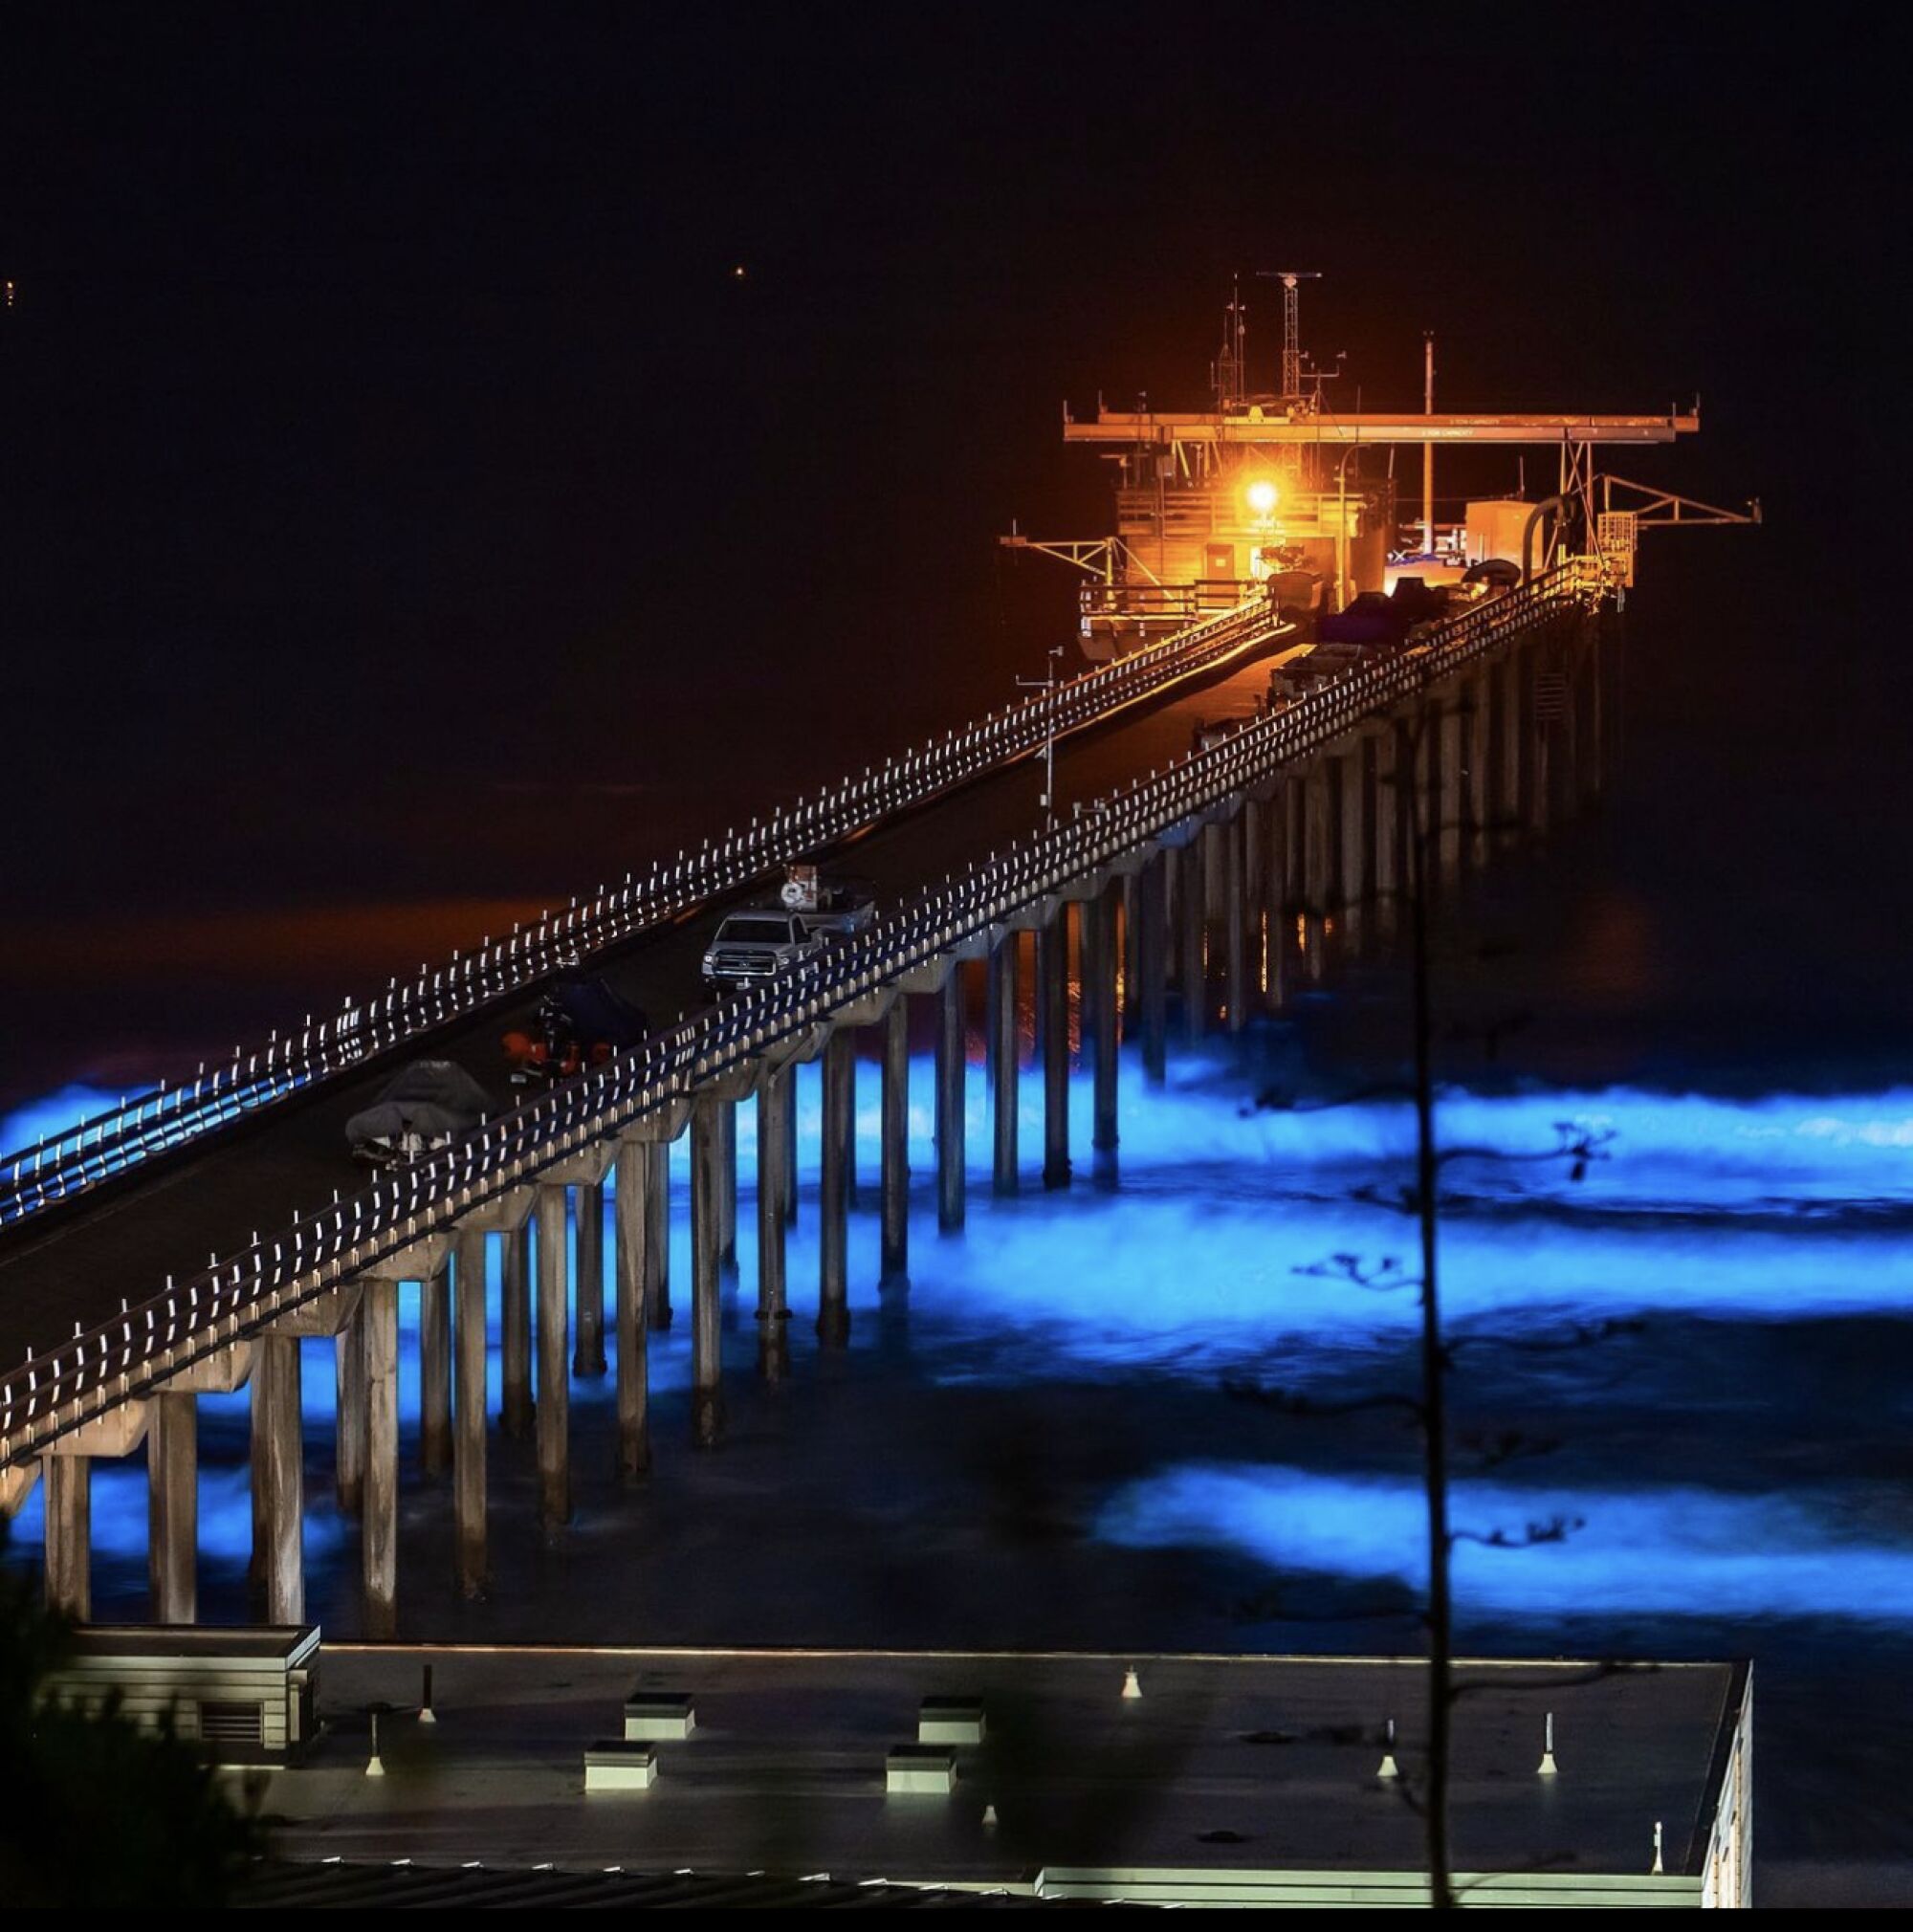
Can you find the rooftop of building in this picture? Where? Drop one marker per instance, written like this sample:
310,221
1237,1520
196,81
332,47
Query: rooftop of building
1223,1765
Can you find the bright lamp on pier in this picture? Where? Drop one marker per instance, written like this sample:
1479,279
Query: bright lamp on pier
1262,496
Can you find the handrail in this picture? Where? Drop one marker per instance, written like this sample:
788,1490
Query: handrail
58,1391
108,1143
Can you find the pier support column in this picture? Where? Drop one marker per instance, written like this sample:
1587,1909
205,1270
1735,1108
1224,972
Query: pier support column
1354,818
68,1482
1130,1008
435,1373
1153,965
172,1507
1453,794
349,1416
1478,800
378,1534
1005,1040
554,1360
657,1237
1508,761
1568,739
514,1328
833,1203
833,1195
632,1209
773,1303
894,1106
707,1237
1593,710
467,1395
1255,876
1534,776
1276,896
1394,771
589,1344
278,1478
1317,865
1194,893
1052,978
952,1052
1235,921
1102,1015
726,1184
788,1128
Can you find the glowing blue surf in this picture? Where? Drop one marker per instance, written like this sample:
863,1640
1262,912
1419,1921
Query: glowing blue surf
1657,1551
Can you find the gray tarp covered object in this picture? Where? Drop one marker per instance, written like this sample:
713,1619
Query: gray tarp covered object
435,1099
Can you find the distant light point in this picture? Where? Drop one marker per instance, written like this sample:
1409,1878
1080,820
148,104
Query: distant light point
737,272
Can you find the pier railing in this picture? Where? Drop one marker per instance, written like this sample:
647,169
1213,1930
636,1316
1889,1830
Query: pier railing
69,1163
59,1392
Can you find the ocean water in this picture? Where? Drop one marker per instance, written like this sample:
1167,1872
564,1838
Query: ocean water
1685,1381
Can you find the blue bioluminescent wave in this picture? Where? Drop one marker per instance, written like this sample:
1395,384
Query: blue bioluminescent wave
1672,1551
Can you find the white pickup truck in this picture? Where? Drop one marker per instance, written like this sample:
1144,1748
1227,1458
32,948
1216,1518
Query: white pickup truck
761,941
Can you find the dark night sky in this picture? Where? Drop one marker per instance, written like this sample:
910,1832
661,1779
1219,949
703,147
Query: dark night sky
405,504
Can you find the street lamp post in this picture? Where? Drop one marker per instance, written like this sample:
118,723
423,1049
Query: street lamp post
1047,684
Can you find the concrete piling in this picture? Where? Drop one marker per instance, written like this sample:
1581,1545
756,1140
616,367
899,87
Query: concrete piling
635,1160
588,1239
554,1360
1102,1017
172,1507
378,1535
657,1237
1235,921
773,1191
348,1417
468,1446
1317,865
833,1203
1356,820
1052,978
515,1325
952,1049
278,1478
726,1184
1393,763
707,1235
894,1107
1477,791
1452,736
1276,897
1153,965
68,1482
435,1373
1192,911
1004,972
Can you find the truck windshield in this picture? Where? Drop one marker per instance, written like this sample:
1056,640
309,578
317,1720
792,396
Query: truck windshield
758,932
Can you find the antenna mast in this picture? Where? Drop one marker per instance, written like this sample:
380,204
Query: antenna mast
1291,325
